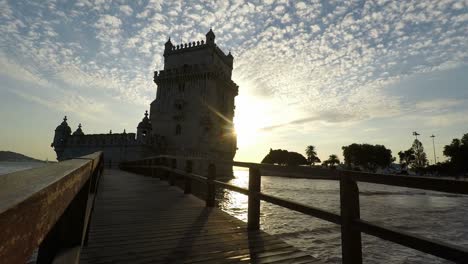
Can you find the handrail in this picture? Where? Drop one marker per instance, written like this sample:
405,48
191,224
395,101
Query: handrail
417,182
332,174
165,167
48,207
431,246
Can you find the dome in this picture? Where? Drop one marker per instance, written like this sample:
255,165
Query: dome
78,131
63,127
145,123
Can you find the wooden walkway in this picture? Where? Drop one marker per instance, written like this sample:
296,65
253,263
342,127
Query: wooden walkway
140,219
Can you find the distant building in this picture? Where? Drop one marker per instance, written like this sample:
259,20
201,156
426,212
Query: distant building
192,114
116,146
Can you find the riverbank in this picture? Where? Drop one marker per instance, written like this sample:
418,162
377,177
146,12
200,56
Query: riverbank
300,173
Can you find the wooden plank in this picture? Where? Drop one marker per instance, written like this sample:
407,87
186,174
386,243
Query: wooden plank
141,219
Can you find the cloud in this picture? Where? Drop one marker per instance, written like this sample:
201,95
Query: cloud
108,26
85,108
446,119
13,70
127,10
327,116
327,58
438,104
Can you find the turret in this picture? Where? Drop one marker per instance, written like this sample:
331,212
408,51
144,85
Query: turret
78,131
62,132
230,59
168,46
144,128
210,37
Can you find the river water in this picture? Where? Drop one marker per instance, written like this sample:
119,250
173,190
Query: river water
434,215
10,166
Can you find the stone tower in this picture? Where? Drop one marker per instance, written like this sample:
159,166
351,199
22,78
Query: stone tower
194,105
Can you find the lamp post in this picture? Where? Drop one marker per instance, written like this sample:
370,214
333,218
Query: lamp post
433,146
416,134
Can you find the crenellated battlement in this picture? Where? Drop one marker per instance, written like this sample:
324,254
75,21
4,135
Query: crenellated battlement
106,140
187,46
102,139
196,52
194,71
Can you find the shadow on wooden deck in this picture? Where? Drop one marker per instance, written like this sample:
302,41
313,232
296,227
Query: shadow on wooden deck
140,219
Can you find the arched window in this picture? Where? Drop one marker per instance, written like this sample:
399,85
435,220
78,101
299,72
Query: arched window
178,130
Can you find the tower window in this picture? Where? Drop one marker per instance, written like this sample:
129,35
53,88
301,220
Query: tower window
178,130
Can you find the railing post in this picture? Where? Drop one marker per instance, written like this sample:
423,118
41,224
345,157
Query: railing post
253,212
210,186
351,245
188,180
172,175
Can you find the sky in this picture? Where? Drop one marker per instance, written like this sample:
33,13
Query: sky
322,73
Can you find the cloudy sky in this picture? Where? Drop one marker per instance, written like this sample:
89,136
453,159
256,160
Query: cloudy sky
326,73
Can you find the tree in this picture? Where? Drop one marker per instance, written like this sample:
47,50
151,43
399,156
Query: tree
414,158
457,152
295,159
284,157
366,156
312,155
332,161
420,157
406,158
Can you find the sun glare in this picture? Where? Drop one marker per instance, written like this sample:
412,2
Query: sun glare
246,130
248,120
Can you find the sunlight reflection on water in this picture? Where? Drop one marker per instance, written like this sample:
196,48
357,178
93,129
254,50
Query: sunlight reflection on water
430,214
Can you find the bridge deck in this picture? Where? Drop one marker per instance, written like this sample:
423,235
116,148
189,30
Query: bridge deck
141,219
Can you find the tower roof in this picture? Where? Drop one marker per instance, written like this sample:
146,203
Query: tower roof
78,131
145,122
210,33
63,127
210,37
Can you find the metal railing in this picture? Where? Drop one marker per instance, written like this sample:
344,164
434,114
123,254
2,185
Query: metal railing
165,167
49,209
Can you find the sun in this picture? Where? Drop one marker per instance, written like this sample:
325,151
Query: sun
246,130
248,121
